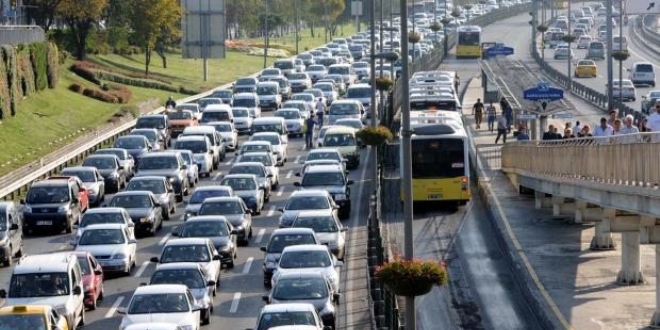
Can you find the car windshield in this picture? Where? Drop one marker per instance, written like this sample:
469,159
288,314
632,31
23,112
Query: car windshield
180,115
288,114
297,76
315,92
298,203
187,157
100,218
245,82
155,186
158,163
239,184
586,63
320,224
48,195
323,179
130,142
102,163
349,123
338,70
84,267
303,97
255,147
300,289
264,159
192,278
84,176
159,303
273,139
102,237
131,201
210,116
270,72
358,93
324,87
240,113
147,122
245,102
341,109
283,65
271,320
150,135
199,196
205,102
197,147
223,127
305,259
121,154
205,229
38,285
323,156
185,253
316,68
339,140
220,208
194,108
248,169
223,94
279,242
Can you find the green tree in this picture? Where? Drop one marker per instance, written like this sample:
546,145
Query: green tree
150,19
81,16
243,15
42,11
117,13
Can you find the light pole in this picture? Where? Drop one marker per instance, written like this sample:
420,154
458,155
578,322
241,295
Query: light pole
380,39
570,51
610,68
620,49
406,161
266,34
325,18
372,80
297,16
445,24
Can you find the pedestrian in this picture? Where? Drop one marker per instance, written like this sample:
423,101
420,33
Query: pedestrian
585,132
309,135
630,130
502,129
603,129
642,126
522,134
653,123
478,112
555,134
568,134
320,111
549,134
616,127
491,113
508,113
577,128
613,115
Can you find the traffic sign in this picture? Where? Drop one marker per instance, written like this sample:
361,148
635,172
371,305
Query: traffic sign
499,49
543,91
562,115
526,116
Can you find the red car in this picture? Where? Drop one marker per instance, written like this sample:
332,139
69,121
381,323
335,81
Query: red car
92,278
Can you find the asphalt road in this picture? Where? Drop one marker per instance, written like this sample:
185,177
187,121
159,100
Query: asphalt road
239,298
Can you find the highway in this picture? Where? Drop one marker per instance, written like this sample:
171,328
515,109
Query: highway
239,298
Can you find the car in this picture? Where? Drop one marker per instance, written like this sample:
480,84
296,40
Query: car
624,89
247,187
649,100
217,143
306,200
299,81
217,112
125,159
563,53
583,41
249,101
54,204
284,316
256,146
226,95
325,153
304,107
307,97
136,145
329,230
586,68
195,108
294,120
169,164
152,134
307,58
270,97
193,250
193,276
162,189
110,168
32,317
104,215
154,326
354,123
306,287
158,121
642,73
242,120
319,162
204,102
112,245
180,120
346,71
333,179
191,163
92,278
329,90
280,239
234,210
308,258
202,150
201,194
11,232
216,228
271,72
227,132
339,82
345,109
91,179
362,69
318,94
259,171
321,134
163,302
285,86
144,209
316,72
278,146
268,160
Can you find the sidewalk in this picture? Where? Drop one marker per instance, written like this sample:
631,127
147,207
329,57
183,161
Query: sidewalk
574,286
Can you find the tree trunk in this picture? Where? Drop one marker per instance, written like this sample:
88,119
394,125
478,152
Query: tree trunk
312,29
147,60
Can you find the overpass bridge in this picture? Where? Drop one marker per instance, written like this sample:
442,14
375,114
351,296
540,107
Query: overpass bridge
611,181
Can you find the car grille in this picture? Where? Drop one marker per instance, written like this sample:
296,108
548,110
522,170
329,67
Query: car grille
45,210
102,257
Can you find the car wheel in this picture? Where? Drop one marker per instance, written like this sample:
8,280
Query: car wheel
166,215
10,259
100,298
82,318
173,208
19,253
207,319
68,228
179,197
92,307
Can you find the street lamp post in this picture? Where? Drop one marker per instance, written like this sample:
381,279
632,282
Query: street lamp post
620,49
570,51
266,34
297,24
610,68
445,23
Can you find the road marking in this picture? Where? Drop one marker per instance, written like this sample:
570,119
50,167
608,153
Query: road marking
271,211
297,159
229,162
114,307
248,264
280,192
289,174
165,239
260,235
217,176
142,268
234,303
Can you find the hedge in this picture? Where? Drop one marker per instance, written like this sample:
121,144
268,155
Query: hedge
122,92
53,67
97,67
84,72
97,74
39,60
100,95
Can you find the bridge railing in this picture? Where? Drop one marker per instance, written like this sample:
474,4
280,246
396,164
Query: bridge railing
629,160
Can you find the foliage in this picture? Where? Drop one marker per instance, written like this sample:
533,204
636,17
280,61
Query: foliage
52,57
621,55
84,72
467,7
384,84
39,61
76,88
568,38
122,92
542,28
81,16
100,95
374,136
446,20
413,273
455,13
149,18
42,11
436,26
414,37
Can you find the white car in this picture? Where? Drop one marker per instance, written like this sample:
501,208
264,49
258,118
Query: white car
269,160
321,135
309,258
192,249
583,42
202,151
563,53
275,140
290,317
104,215
253,146
242,119
327,227
307,97
227,132
305,200
193,166
193,107
201,194
325,153
111,244
329,91
171,303
153,326
355,123
293,119
626,91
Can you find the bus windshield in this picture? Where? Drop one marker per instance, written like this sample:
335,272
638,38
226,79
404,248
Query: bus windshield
469,38
448,105
438,158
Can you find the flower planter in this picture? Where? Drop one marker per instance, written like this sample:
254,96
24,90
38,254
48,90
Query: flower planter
411,278
410,287
374,136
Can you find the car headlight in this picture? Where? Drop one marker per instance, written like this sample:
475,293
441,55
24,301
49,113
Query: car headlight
225,248
327,309
270,264
63,208
340,197
186,327
61,309
28,209
189,214
120,256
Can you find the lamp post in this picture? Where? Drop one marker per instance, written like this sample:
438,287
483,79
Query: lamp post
372,80
391,57
610,68
570,50
266,34
297,24
621,50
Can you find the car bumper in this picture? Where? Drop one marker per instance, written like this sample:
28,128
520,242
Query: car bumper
643,82
113,265
242,129
143,227
298,89
225,256
344,207
252,204
44,221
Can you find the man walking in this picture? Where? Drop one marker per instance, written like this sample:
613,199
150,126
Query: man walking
320,111
502,129
478,112
490,112
309,134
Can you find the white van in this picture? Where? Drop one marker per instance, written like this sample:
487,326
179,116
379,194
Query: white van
214,138
249,101
271,124
269,94
217,112
642,73
201,149
54,279
619,43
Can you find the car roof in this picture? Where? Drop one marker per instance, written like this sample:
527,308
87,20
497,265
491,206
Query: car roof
292,231
44,263
206,218
192,138
160,288
133,193
80,168
241,176
169,153
258,164
324,168
148,177
300,275
309,192
314,213
178,265
319,150
257,142
360,85
305,247
187,241
105,226
266,133
218,107
292,307
153,326
345,101
182,151
218,187
104,210
340,129
221,199
267,120
101,156
24,309
245,96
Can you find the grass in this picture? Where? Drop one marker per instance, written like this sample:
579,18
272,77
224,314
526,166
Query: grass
306,40
48,120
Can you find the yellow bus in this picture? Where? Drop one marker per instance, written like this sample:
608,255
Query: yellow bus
440,157
468,42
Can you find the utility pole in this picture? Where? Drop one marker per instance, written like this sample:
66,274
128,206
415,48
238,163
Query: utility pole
373,109
266,34
620,49
325,18
297,26
570,51
610,68
406,161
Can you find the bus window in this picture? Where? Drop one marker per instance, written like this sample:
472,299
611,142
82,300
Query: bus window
438,158
448,105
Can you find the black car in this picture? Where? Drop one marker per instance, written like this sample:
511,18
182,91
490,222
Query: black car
110,168
216,228
144,209
136,145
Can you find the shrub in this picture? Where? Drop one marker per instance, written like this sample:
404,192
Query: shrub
187,91
26,73
12,90
39,61
130,110
100,95
53,67
384,84
84,72
122,93
412,277
117,78
374,136
76,88
5,96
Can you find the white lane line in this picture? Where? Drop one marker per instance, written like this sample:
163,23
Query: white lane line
114,307
289,174
280,192
271,211
165,239
229,162
248,264
260,235
234,303
297,159
141,270
216,176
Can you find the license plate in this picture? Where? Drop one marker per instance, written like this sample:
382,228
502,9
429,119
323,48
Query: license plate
44,223
437,196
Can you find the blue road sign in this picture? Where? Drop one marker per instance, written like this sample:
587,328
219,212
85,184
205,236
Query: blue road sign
543,91
562,115
499,49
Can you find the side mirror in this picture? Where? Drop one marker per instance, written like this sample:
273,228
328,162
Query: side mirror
216,257
170,190
3,293
339,263
269,176
343,229
262,248
98,271
265,298
336,296
104,205
298,174
153,259
327,327
184,167
210,283
349,182
13,227
121,310
132,241
297,184
237,154
77,290
143,284
234,232
131,225
280,209
73,242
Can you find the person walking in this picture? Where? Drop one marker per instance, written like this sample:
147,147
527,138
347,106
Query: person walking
309,134
491,113
478,112
653,123
502,129
320,111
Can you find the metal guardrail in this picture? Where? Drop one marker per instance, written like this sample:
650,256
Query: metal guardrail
21,34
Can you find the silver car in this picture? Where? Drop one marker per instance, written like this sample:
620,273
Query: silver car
293,119
160,187
111,245
308,258
242,120
246,186
328,229
270,162
234,210
104,215
259,171
193,165
305,200
201,194
227,132
125,159
91,179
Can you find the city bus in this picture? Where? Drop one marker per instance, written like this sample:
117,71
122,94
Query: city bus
468,43
440,157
